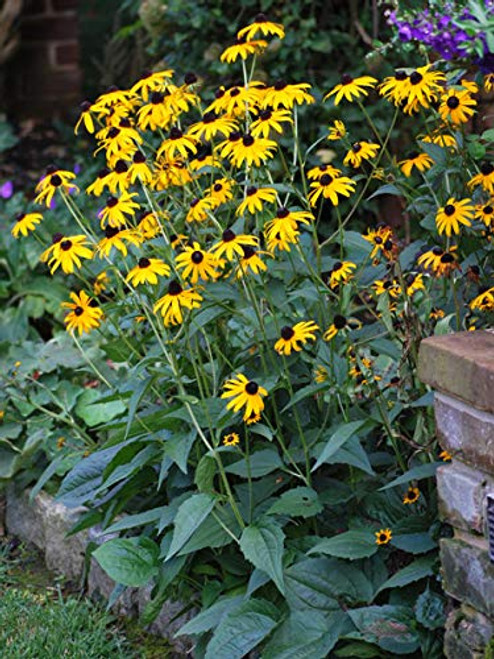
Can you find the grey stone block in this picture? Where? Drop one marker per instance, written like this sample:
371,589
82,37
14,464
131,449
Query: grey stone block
466,433
468,633
25,519
462,494
468,574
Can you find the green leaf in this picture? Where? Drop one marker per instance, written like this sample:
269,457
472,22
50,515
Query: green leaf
358,650
298,502
430,610
133,521
414,543
389,188
336,441
388,626
414,474
419,569
261,463
262,545
94,413
127,562
351,544
436,152
307,586
205,473
211,617
302,393
242,630
191,513
211,533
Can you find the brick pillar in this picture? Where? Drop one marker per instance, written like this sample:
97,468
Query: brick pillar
44,78
460,367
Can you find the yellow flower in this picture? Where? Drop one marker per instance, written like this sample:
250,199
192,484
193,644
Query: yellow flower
171,171
117,208
118,179
230,245
243,49
199,208
268,120
292,338
457,107
421,161
100,283
197,264
341,272
351,88
85,118
394,88
414,282
330,188
411,495
55,179
441,262
436,314
263,26
383,536
232,439
151,81
177,299
117,237
441,139
489,82
220,191
445,456
320,374
98,186
485,212
339,324
66,252
84,316
149,225
360,151
454,213
283,229
423,87
244,393
237,99
24,223
485,178
484,301
139,170
316,173
254,198
147,271
251,151
178,144
249,261
389,286
281,94
381,239
337,131
212,125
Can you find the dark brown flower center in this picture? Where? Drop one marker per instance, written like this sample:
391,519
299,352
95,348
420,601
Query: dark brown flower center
78,311
121,167
400,75
282,212
85,105
326,179
261,18
190,78
20,217
449,210
251,190
264,115
66,245
279,85
416,77
55,180
144,262
113,132
174,288
346,79
339,322
356,147
209,117
337,266
488,210
437,251
111,202
228,236
197,257
139,157
447,258
486,168
157,98
248,251
252,388
218,187
248,140
453,102
111,232
175,133
287,332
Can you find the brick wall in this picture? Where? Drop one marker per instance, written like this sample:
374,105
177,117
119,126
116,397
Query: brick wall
460,367
44,78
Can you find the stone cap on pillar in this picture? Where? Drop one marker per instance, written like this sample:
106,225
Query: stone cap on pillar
461,365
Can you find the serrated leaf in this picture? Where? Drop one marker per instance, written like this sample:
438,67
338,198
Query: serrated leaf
307,586
297,502
262,545
189,516
127,562
351,544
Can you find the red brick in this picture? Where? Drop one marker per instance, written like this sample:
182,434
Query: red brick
67,55
47,28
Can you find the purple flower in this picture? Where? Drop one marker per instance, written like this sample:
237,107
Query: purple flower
6,190
77,168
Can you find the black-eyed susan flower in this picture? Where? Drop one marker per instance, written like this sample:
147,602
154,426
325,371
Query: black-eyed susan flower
118,237
394,88
139,169
98,186
66,252
340,323
440,262
237,99
24,223
282,231
453,214
317,172
85,315
155,114
178,144
244,393
242,49
117,208
118,142
485,213
337,131
118,179
294,337
196,263
457,107
414,282
436,314
255,198
147,271
231,439
270,120
85,118
383,536
441,138
281,94
381,240
489,82
101,283
321,374
250,262
149,225
151,81
423,88
389,286
114,97
230,245
445,456
341,272
53,181
204,158
171,306
199,209
220,191
418,160
250,150
484,301
169,172
359,152
212,125
485,178
261,25
350,88
411,495
331,187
